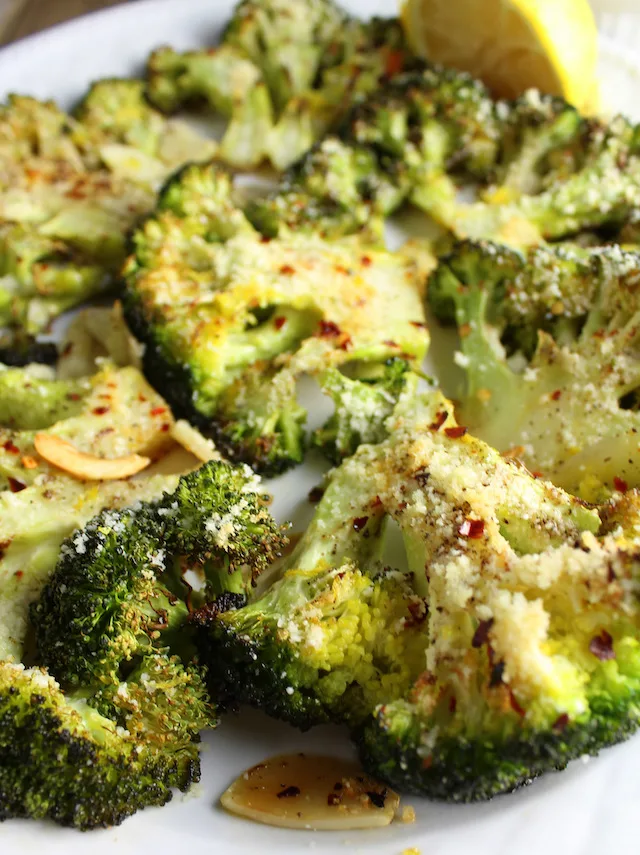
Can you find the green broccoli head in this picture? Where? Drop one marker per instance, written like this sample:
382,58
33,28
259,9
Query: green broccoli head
231,319
362,405
328,640
548,338
63,760
119,589
31,399
285,40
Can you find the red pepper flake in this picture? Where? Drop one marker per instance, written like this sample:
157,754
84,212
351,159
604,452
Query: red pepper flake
455,432
439,420
142,399
560,723
515,706
327,329
73,396
19,574
537,474
555,396
16,486
339,268
315,494
264,238
365,261
418,613
620,484
481,634
611,575
359,523
165,427
419,324
158,411
390,343
11,447
279,322
100,411
29,462
289,793
395,63
602,646
473,529
287,270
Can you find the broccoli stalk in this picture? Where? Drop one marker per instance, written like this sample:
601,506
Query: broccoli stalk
547,343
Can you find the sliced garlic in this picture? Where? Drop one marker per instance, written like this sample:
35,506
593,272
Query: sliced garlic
305,791
188,437
65,456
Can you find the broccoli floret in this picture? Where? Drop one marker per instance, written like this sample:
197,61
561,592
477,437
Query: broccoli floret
335,634
399,143
592,182
547,342
362,405
31,401
119,588
62,759
286,40
231,320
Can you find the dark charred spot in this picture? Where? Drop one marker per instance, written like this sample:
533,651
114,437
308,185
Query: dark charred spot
289,793
555,396
279,322
481,634
418,613
359,523
100,411
327,329
315,494
11,447
515,706
495,677
333,799
602,646
377,799
453,703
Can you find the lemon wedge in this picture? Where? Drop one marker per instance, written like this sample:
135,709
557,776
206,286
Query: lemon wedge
512,45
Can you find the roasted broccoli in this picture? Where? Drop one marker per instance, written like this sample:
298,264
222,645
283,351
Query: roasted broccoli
548,344
506,647
400,142
231,320
70,188
119,589
62,759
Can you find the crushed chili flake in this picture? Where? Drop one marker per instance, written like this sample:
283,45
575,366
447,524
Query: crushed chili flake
287,270
464,330
29,462
100,411
11,447
165,428
419,324
359,523
515,706
620,484
611,574
602,646
481,634
19,574
289,793
555,396
73,396
16,486
439,420
395,63
158,411
279,322
328,329
390,343
366,261
473,529
560,723
455,432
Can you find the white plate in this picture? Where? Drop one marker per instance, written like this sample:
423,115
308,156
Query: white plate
591,809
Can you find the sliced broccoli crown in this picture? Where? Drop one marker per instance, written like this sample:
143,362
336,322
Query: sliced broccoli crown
362,406
548,344
61,759
231,320
533,655
399,142
119,590
328,640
